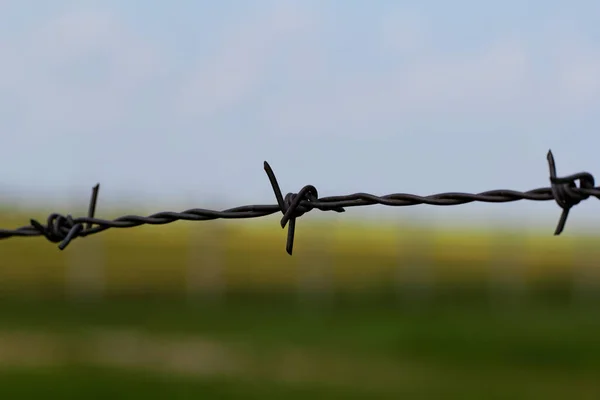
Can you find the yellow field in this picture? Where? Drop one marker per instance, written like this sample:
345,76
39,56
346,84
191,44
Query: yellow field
251,254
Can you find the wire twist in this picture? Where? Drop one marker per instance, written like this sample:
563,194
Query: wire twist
64,229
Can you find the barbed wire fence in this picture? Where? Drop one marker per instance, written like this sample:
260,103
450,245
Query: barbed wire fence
63,229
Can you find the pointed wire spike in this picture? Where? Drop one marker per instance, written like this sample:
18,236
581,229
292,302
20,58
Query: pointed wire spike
70,236
551,164
93,203
274,185
289,247
565,211
280,201
39,227
561,222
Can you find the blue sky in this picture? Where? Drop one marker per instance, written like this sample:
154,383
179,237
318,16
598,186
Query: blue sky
177,104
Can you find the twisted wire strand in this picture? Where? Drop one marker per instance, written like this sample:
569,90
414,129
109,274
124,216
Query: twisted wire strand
63,229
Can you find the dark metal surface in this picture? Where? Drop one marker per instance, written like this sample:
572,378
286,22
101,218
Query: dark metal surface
63,229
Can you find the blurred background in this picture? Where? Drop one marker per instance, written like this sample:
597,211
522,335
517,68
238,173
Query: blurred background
176,105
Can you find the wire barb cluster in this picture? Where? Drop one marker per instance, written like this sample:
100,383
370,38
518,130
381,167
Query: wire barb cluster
63,229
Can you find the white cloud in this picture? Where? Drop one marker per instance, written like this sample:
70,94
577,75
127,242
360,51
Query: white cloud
79,68
237,69
485,79
502,80
87,73
578,73
404,32
87,67
422,86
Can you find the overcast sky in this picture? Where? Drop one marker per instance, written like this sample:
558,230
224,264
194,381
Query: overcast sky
179,103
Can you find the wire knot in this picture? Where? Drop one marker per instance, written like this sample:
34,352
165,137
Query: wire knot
63,229
59,229
565,191
294,205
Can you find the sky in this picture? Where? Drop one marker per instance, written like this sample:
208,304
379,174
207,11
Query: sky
177,104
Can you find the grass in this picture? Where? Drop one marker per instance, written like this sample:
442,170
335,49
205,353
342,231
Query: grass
99,383
355,256
439,351
366,341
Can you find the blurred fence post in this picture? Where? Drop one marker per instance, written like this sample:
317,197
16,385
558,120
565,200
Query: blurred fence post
315,276
86,266
415,271
204,274
506,267
585,270
85,270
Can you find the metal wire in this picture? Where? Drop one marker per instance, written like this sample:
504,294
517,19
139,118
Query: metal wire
63,229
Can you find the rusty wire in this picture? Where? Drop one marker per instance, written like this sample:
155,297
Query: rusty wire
63,229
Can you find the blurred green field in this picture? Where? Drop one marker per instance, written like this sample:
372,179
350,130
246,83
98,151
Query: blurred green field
165,349
251,257
145,337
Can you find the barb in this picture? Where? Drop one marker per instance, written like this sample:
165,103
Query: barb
63,229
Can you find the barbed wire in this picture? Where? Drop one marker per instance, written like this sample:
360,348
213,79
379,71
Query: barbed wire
63,229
